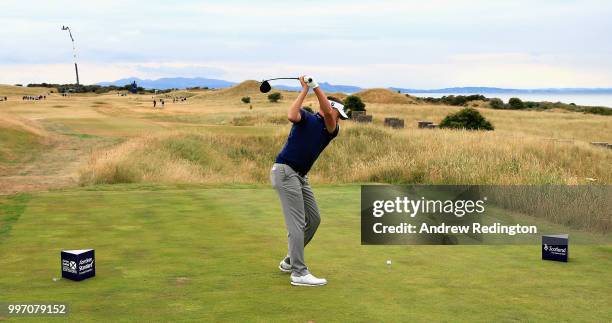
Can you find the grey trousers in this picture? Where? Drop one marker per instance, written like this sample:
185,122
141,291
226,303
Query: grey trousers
301,213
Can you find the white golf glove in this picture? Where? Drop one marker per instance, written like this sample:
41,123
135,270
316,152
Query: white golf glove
311,82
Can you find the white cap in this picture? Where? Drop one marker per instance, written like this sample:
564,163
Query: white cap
340,108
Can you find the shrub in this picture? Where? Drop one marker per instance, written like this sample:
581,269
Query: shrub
516,104
497,103
467,118
596,110
456,100
275,97
353,103
246,100
461,100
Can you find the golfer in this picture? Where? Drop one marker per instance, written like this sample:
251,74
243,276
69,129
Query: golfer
309,135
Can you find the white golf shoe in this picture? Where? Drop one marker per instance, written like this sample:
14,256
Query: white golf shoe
284,266
307,280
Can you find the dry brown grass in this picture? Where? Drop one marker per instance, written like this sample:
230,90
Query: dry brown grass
585,207
246,88
578,127
21,124
214,137
359,154
21,141
15,91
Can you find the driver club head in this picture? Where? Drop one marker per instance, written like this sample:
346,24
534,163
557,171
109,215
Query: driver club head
265,87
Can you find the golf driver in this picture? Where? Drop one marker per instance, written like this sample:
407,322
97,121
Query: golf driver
265,84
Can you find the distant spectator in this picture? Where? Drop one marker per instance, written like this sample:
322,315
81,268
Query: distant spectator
154,103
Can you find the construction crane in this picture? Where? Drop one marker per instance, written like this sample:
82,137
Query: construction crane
76,68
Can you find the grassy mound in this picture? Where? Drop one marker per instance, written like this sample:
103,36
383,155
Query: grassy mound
384,96
182,157
235,93
20,141
10,90
246,88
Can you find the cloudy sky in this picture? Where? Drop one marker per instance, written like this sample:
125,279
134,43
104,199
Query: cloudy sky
417,44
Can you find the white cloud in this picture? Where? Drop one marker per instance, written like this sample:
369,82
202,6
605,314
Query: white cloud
519,73
371,43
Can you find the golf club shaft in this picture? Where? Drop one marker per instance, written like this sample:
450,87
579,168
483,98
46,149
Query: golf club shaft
283,78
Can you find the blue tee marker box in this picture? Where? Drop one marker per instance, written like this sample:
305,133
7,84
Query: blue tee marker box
78,264
555,247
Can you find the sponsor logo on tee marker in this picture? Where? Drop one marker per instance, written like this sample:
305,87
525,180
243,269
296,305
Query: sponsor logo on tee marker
555,250
69,266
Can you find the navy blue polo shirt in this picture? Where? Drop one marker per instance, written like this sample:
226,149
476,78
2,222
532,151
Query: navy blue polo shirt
306,141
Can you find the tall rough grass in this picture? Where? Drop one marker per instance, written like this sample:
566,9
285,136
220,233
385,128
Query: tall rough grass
580,206
359,154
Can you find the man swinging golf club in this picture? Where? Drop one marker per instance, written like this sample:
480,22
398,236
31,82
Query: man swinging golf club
309,135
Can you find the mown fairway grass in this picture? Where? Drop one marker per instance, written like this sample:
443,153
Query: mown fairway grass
169,253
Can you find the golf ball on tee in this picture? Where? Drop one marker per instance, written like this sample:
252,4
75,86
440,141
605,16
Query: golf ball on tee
388,262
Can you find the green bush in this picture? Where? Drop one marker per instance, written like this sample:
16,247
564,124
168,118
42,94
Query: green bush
516,104
275,97
353,103
456,100
246,100
467,118
531,105
596,110
497,103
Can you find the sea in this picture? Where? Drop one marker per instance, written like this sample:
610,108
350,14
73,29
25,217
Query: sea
600,100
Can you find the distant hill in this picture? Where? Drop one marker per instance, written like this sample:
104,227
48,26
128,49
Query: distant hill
485,90
172,83
184,82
